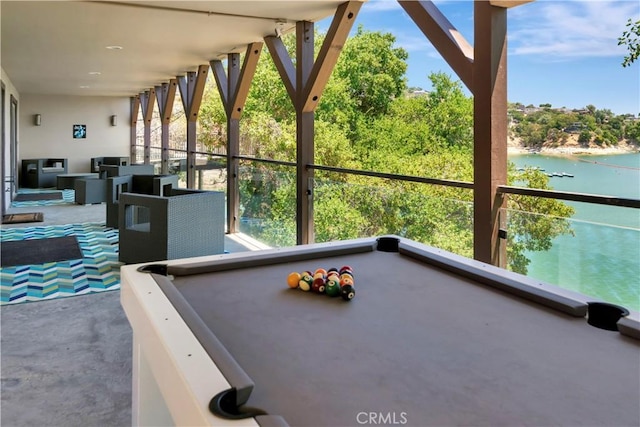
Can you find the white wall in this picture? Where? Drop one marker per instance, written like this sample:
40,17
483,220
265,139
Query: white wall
54,137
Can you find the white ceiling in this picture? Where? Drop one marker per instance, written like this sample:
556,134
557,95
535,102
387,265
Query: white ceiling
51,47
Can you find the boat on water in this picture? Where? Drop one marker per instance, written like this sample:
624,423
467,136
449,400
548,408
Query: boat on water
560,174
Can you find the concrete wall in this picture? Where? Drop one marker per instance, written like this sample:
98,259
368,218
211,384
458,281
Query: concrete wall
54,137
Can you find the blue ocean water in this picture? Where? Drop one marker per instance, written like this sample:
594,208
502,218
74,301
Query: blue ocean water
602,258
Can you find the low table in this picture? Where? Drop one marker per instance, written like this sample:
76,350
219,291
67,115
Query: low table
67,181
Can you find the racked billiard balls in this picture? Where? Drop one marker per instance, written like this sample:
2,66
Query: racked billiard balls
293,279
347,292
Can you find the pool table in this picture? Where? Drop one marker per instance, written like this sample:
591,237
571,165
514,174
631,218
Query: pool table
430,338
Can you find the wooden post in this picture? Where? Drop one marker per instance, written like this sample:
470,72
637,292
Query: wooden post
134,104
165,96
147,99
234,90
191,90
490,130
304,84
483,69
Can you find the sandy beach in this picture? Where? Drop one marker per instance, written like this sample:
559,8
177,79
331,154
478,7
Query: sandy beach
571,148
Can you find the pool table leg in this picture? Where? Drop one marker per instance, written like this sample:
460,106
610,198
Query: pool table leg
148,407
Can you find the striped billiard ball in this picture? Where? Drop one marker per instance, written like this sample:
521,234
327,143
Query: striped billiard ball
305,282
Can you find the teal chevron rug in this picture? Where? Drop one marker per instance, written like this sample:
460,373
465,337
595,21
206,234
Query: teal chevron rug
97,271
68,196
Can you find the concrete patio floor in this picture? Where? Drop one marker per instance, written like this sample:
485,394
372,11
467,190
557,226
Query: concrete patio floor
67,362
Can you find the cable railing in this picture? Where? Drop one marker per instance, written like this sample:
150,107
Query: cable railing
452,227
572,196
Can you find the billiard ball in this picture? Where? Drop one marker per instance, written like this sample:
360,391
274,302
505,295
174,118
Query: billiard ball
346,280
347,275
332,288
318,285
320,271
345,268
319,275
332,269
305,282
293,279
347,292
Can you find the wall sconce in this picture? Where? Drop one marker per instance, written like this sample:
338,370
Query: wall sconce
37,119
114,120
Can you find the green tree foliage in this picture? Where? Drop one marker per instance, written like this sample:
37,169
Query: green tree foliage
373,70
631,39
367,120
547,125
212,121
533,222
632,131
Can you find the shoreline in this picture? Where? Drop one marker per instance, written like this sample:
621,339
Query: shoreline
513,148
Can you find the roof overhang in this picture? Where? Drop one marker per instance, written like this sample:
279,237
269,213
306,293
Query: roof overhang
509,3
60,47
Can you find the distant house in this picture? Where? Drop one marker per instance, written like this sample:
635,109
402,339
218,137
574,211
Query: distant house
575,127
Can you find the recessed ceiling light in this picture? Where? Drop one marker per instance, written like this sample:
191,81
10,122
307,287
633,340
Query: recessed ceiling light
94,73
114,47
84,87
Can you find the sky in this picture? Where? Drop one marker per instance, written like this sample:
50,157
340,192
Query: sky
564,53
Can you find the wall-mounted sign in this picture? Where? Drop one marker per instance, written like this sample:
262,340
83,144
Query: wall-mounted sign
79,131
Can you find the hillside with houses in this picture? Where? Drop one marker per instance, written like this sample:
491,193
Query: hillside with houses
575,131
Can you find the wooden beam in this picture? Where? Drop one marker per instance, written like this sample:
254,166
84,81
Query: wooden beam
134,108
217,69
165,95
147,100
490,131
305,142
233,166
241,90
283,64
197,92
444,36
233,87
134,102
233,144
191,89
329,53
304,83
